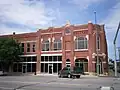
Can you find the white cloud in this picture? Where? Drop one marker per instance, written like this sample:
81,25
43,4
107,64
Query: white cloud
111,25
31,13
7,30
113,18
84,4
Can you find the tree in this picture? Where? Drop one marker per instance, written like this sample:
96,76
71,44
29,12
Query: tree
10,52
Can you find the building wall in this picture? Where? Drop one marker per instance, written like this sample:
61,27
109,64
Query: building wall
68,50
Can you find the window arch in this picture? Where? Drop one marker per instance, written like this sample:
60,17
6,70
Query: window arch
57,44
45,45
81,43
82,63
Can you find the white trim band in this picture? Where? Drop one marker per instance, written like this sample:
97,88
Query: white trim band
28,41
28,55
51,62
51,54
80,29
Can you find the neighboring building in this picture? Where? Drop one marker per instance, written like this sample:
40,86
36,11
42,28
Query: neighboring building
49,50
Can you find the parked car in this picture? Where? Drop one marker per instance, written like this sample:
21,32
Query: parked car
70,72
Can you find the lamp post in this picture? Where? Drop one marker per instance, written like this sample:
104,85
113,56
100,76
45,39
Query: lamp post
96,45
114,42
119,53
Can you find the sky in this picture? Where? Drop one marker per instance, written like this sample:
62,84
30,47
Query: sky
23,16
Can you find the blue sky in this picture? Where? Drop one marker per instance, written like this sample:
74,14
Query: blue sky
22,16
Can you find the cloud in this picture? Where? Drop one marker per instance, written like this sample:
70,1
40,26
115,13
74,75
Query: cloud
112,20
84,4
7,30
29,13
111,24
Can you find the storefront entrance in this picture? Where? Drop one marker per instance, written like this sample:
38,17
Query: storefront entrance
27,66
82,63
51,64
24,68
50,68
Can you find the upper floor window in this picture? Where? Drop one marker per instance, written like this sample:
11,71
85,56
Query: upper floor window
81,43
28,47
22,47
57,44
33,47
98,42
45,45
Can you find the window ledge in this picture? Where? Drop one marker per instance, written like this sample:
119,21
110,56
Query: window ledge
80,49
53,51
68,50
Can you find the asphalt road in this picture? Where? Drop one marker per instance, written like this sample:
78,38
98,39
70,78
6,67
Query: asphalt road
55,83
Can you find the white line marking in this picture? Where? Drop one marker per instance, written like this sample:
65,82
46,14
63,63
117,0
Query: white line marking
6,88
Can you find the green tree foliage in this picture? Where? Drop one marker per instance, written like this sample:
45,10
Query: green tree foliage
9,52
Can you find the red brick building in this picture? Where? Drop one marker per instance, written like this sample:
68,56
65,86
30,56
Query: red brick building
48,50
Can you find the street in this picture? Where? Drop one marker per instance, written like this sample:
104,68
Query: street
54,83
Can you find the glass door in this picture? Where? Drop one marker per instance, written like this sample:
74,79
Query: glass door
24,68
50,68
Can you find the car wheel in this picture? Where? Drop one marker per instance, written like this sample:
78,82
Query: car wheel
69,76
73,77
78,76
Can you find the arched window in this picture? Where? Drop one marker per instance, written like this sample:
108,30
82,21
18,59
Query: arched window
57,44
81,43
45,45
82,63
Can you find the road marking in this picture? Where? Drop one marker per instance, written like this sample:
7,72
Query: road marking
6,88
47,83
19,82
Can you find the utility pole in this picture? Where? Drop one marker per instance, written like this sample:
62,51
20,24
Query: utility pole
114,42
119,53
97,63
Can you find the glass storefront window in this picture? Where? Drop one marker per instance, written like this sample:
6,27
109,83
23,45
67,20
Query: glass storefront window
42,67
59,66
34,59
33,67
49,64
28,59
55,67
59,58
29,67
46,67
50,58
54,58
46,58
19,67
42,58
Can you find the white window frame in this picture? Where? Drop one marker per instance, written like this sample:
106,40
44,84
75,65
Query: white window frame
44,43
77,41
56,42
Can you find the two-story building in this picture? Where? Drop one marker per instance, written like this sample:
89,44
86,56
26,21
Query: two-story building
49,50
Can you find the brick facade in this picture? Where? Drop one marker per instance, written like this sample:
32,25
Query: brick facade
68,50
